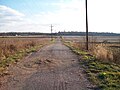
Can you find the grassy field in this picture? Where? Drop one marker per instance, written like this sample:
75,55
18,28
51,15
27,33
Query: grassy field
94,38
13,49
101,62
104,48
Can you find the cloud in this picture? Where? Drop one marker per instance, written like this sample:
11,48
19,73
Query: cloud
6,11
9,17
104,15
70,16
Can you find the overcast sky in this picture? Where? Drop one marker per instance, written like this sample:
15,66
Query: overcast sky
65,15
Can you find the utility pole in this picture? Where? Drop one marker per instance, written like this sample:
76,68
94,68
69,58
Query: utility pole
86,25
51,31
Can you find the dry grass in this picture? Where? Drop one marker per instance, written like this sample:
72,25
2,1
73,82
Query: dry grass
9,46
99,66
106,52
102,53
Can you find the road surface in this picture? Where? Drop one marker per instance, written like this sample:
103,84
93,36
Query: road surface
54,67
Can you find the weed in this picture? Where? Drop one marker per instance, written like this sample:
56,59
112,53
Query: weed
103,51
13,49
106,75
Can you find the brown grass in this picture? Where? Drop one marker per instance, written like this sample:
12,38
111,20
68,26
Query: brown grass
106,52
102,53
9,46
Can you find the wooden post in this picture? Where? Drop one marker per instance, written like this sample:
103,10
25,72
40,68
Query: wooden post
86,26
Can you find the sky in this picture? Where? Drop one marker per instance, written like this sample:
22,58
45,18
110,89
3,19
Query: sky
64,15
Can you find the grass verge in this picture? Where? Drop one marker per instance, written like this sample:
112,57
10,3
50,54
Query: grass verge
12,59
105,75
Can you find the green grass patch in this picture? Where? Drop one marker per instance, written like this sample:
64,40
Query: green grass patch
18,55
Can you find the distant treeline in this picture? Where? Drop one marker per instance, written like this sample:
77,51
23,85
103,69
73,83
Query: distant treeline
59,34
90,34
22,34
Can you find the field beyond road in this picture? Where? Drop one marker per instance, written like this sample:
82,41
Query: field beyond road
53,67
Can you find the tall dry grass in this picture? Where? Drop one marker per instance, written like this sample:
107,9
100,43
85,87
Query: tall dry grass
9,46
102,53
105,52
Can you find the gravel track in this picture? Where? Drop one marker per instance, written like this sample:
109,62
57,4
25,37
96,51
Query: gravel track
54,67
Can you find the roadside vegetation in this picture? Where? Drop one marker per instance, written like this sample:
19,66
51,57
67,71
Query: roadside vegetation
14,49
101,62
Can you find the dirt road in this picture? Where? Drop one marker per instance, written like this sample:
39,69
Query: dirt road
54,67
